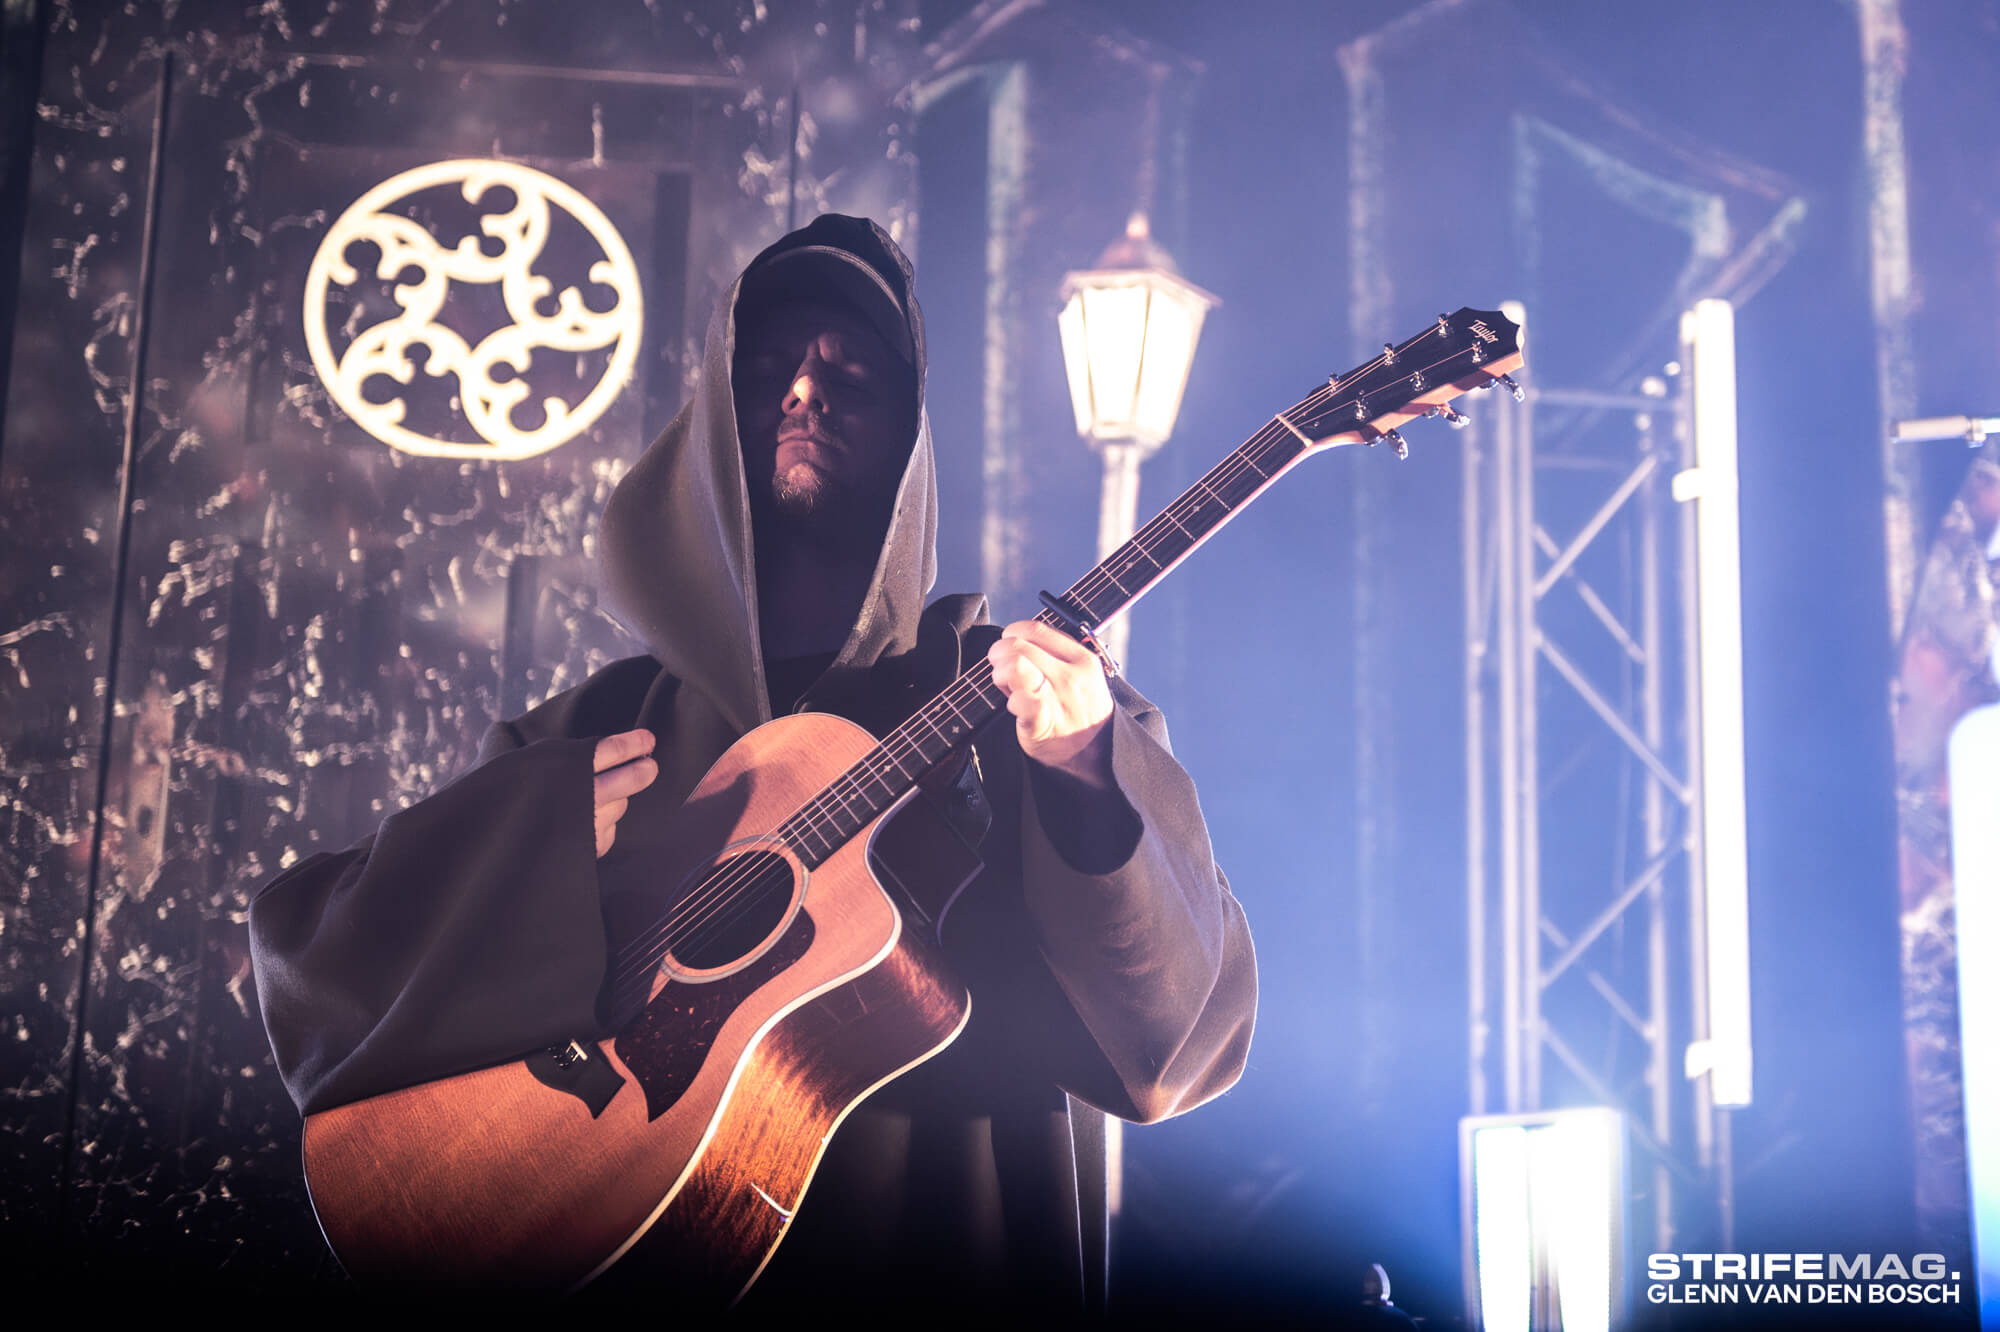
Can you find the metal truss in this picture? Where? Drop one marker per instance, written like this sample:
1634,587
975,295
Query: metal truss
1583,860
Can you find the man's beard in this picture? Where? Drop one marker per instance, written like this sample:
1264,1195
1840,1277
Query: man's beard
805,495
825,509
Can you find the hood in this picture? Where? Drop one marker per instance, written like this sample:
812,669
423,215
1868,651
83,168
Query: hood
676,547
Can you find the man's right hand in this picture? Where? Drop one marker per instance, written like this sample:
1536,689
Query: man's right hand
623,770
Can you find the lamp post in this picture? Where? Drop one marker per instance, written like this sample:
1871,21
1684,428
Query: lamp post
1129,328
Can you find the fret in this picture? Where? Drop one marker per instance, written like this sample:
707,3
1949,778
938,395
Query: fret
1181,526
1202,484
920,745
881,777
927,738
1138,547
1473,348
1241,486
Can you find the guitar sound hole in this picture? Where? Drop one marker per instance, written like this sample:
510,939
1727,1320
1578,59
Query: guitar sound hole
732,909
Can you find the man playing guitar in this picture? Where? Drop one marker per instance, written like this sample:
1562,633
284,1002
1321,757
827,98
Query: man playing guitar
773,550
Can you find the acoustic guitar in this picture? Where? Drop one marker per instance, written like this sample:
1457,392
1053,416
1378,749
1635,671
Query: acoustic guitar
784,981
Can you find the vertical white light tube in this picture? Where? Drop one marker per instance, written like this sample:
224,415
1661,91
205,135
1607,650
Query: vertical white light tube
1501,1221
1974,767
1544,1204
1582,1151
1711,331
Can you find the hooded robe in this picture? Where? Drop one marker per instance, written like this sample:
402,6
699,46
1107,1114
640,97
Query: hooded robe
1105,955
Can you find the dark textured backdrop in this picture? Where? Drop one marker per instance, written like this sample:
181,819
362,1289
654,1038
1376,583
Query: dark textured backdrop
295,628
233,629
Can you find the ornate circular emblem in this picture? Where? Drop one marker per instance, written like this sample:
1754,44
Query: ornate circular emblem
425,272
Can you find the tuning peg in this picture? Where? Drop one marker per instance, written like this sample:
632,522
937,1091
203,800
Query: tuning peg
1388,353
1453,418
1507,382
1395,437
1444,325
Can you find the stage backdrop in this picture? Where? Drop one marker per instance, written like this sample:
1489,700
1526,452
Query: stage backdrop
282,527
1936,252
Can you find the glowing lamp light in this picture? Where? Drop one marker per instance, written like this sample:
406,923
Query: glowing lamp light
1129,328
1543,1198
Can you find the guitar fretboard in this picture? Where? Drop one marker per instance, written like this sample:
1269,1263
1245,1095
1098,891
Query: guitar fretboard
1472,348
949,721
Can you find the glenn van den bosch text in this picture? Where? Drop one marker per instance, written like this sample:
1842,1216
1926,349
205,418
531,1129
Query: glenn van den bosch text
1800,1278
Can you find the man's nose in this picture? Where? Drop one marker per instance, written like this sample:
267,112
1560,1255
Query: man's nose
807,392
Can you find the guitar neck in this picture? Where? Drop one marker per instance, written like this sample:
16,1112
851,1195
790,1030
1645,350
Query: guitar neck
1130,571
949,722
1467,350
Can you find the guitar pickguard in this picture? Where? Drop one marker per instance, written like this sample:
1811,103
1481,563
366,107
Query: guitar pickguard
579,1070
666,1044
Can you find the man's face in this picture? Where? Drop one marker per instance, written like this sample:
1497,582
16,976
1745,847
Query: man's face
826,411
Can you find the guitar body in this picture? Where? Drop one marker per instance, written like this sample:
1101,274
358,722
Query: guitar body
727,1087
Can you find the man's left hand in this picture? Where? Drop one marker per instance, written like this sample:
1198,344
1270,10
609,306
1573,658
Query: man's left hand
1056,689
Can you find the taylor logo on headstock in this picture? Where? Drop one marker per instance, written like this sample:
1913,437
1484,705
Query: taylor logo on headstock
589,329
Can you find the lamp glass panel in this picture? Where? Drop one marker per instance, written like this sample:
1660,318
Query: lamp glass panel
1173,324
1114,323
1076,360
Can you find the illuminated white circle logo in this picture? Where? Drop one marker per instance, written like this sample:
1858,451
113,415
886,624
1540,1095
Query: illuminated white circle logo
408,248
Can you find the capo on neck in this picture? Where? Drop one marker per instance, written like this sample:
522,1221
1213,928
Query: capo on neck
1072,620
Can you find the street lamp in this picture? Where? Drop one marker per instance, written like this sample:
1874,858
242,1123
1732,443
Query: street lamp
1129,328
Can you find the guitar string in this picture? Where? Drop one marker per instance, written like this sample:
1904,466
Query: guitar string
729,905
1189,503
817,819
821,815
820,819
1226,472
816,816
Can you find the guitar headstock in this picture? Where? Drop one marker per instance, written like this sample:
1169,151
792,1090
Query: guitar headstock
1471,349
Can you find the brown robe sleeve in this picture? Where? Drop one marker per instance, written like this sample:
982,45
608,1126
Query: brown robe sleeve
1138,927
465,931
